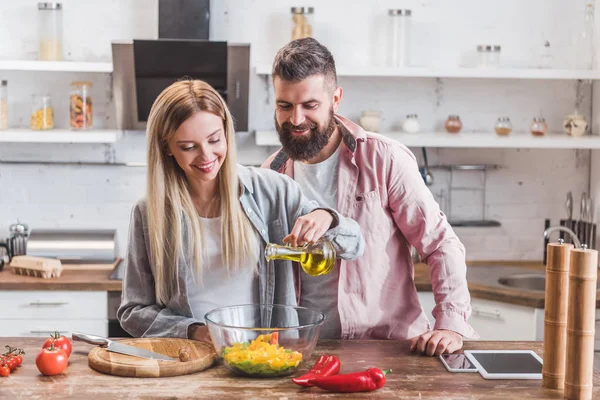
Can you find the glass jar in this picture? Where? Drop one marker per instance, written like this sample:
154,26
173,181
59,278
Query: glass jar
303,21
399,37
538,127
41,113
488,56
411,124
4,104
584,40
546,58
503,126
80,105
50,31
453,124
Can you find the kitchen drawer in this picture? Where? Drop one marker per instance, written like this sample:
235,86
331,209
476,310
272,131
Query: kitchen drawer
495,320
46,304
43,328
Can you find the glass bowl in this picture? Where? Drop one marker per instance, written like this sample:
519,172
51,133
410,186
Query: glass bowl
264,341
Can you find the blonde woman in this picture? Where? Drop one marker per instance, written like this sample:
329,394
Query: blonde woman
195,242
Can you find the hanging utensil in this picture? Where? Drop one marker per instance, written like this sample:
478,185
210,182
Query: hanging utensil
569,223
591,232
582,218
428,177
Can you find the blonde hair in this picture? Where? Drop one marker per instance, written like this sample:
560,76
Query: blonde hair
169,201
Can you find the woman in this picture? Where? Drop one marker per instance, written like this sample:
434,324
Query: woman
195,242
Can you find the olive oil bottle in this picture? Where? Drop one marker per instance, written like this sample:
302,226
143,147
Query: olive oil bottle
315,259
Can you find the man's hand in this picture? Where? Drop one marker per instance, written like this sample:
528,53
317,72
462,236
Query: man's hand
309,228
437,342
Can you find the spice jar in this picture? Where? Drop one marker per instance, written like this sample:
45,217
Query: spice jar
538,127
488,55
411,124
302,17
503,126
370,120
4,104
41,113
50,31
453,124
80,105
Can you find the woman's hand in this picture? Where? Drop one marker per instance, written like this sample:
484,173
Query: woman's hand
199,333
309,228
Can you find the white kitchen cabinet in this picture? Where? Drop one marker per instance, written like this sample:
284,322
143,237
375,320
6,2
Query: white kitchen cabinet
41,312
494,320
46,327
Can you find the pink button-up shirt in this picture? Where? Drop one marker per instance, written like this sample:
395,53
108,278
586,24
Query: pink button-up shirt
380,187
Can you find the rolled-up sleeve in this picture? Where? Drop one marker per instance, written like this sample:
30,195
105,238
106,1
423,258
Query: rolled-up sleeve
425,227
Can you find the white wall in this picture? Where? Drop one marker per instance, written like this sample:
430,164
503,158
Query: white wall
530,186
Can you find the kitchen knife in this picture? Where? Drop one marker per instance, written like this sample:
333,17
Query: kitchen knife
117,347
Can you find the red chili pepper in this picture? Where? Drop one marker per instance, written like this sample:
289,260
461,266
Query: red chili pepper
365,381
325,366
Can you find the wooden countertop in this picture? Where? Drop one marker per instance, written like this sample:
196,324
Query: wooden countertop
479,289
413,376
490,290
92,280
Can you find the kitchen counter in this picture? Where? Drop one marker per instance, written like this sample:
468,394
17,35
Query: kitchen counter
90,280
412,376
482,279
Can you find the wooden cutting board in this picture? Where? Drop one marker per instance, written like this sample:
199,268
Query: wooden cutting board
202,357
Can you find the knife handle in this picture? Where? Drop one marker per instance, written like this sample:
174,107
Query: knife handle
91,339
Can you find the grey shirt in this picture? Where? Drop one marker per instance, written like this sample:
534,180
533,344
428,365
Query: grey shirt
319,182
273,202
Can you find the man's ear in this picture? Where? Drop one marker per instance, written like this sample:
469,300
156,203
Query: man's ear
337,98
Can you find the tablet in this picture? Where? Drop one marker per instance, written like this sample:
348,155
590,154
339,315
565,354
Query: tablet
506,364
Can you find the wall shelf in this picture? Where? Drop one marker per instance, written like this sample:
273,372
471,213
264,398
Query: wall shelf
55,66
59,136
487,73
471,140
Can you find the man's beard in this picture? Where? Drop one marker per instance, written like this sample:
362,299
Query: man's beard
305,147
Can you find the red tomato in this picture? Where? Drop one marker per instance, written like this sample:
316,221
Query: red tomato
4,371
51,361
10,362
61,342
19,360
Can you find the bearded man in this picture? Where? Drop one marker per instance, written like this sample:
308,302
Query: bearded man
375,181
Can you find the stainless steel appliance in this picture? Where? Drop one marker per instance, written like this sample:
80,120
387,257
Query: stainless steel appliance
82,246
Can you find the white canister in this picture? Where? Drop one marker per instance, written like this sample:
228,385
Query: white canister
411,124
370,121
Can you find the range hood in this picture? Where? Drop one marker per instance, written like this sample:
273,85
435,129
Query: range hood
143,68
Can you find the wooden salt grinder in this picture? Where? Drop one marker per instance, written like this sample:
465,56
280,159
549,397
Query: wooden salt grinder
555,315
580,324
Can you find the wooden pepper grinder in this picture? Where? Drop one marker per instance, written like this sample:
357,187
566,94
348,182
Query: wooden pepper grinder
555,314
581,323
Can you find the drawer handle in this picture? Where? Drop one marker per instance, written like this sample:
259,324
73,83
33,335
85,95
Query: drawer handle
489,313
48,303
50,331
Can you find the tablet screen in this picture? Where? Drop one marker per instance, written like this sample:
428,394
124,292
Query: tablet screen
508,363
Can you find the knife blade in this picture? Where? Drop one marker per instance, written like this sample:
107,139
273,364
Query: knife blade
120,348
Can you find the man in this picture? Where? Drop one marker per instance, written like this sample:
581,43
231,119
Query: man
376,182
